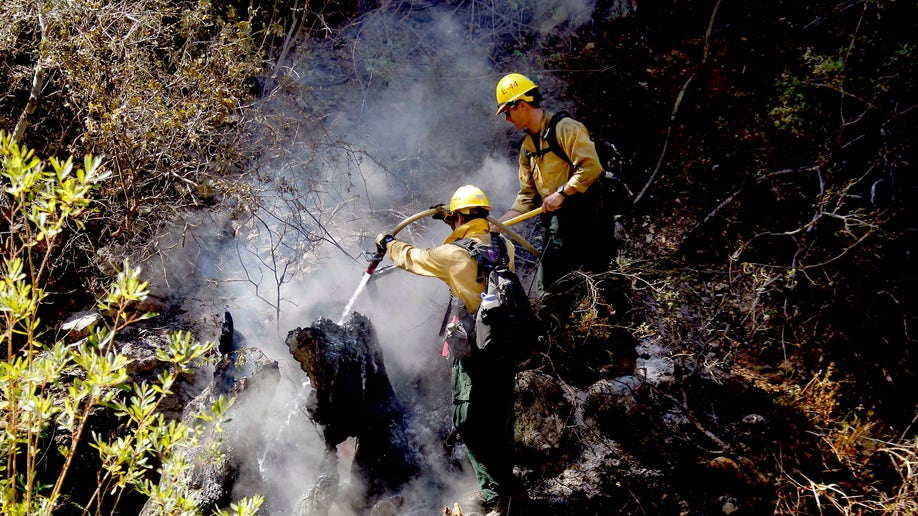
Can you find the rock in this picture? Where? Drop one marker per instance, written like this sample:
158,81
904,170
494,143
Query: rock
753,419
542,415
211,479
655,364
615,396
78,325
730,506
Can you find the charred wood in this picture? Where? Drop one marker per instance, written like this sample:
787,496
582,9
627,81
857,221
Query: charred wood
353,397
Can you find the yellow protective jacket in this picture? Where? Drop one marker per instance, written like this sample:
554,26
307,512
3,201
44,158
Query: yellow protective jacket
450,263
540,176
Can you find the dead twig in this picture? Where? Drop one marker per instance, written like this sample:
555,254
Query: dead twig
730,198
675,110
38,82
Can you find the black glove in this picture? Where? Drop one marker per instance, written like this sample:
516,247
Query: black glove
441,211
382,242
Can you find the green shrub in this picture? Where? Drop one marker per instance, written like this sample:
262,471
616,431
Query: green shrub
55,388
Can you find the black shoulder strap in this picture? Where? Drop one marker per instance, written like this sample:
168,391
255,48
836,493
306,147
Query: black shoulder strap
449,310
466,243
551,137
503,257
471,246
486,264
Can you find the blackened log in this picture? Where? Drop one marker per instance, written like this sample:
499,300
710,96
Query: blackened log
353,397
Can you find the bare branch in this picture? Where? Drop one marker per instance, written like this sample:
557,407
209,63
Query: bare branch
732,197
38,82
675,110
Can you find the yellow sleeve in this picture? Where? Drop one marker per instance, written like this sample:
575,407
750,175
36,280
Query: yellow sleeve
430,262
448,262
511,252
575,140
526,197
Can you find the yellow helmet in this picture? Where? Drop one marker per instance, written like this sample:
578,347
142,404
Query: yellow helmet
513,87
466,197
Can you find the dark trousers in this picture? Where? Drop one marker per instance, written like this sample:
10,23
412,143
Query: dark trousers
579,236
483,397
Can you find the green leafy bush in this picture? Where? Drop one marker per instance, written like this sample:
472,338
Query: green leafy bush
56,388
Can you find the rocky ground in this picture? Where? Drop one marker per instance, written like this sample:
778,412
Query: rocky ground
748,353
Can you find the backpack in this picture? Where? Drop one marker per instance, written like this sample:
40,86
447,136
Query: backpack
614,192
506,325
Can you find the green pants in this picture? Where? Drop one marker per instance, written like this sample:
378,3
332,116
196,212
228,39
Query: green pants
483,391
581,235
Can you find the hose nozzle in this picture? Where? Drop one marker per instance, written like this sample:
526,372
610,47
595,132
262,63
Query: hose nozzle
374,262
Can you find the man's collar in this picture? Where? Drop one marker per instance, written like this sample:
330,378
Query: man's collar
472,227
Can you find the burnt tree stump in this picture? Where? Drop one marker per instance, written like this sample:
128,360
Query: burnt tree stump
353,397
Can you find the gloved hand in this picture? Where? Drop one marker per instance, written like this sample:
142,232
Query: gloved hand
382,242
441,211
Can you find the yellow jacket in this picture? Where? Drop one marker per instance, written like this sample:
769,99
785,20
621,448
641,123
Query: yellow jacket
450,263
541,176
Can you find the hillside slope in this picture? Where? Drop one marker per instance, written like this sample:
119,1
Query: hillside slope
751,349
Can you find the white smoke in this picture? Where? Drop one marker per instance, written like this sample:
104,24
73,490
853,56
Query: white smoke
383,120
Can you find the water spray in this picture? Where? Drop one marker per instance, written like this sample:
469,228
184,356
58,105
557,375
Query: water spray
379,255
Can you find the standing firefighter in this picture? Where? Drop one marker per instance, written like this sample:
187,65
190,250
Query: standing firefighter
482,379
577,237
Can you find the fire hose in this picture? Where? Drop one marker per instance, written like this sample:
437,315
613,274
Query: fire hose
521,218
514,235
504,226
378,257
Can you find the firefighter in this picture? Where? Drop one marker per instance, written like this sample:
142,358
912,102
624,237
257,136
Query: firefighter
482,382
576,236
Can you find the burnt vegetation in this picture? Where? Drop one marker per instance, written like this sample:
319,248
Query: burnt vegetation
769,250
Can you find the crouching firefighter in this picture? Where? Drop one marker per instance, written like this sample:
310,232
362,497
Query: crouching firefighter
482,379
